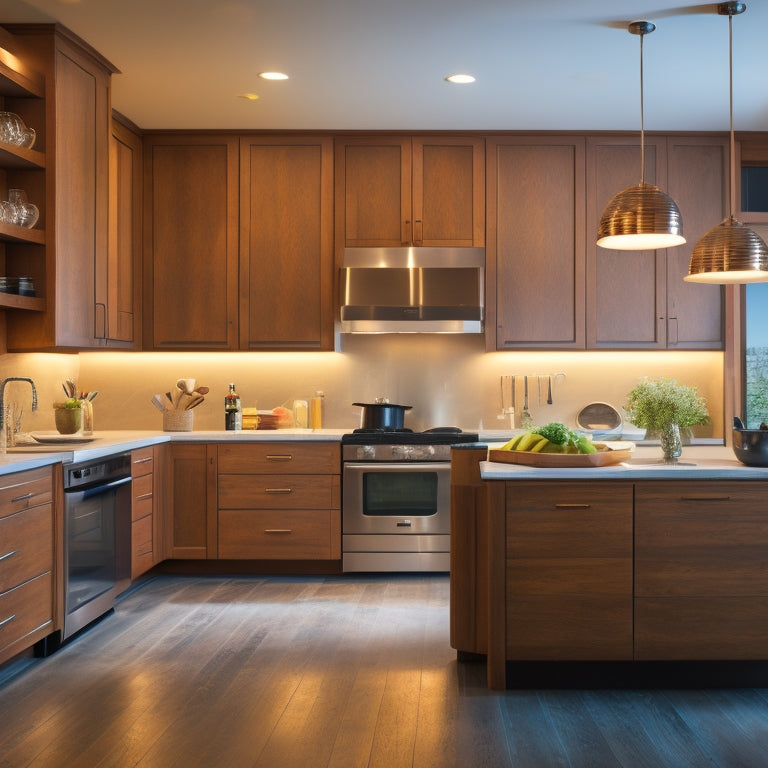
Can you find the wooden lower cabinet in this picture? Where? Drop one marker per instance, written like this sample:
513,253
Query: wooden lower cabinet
143,550
701,573
569,571
28,563
279,501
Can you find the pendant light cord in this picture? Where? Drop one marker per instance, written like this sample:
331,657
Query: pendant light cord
642,116
730,112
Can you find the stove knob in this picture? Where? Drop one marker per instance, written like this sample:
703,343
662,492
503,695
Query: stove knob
400,452
365,452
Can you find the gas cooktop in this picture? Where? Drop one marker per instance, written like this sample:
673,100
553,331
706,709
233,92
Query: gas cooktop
434,436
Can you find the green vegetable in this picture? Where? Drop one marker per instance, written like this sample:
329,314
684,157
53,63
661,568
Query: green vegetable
566,439
70,402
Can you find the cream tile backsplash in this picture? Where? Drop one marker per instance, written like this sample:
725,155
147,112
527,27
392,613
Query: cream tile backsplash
449,380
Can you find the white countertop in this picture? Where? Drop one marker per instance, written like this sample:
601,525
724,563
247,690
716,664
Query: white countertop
697,462
107,443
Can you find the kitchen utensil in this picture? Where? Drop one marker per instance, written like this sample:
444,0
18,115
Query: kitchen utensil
508,399
750,445
382,415
169,406
549,390
92,395
157,401
525,416
186,385
538,385
176,397
202,390
193,402
71,388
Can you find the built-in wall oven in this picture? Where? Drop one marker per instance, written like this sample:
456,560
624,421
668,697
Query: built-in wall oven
396,500
97,534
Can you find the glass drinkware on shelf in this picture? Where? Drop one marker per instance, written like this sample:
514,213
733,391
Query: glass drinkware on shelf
25,214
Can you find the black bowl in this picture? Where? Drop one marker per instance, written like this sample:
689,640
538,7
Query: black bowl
751,446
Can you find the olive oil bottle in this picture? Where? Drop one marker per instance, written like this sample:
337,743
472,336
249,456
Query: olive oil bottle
233,411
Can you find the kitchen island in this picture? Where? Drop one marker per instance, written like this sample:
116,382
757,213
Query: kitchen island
637,562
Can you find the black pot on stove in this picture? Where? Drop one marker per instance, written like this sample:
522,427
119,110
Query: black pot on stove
382,414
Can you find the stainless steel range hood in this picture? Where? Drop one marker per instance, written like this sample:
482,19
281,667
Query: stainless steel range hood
412,290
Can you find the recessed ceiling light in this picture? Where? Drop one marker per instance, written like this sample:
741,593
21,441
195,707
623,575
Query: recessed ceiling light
273,75
460,78
249,96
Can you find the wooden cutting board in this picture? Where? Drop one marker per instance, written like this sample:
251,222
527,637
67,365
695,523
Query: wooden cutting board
605,456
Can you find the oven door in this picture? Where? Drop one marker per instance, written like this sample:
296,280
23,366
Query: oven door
396,498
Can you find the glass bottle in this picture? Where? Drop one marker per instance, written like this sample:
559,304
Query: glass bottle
233,411
316,410
86,406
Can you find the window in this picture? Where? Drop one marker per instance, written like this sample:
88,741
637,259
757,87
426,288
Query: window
756,355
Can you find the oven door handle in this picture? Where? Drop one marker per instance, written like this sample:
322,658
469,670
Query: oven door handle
396,466
97,489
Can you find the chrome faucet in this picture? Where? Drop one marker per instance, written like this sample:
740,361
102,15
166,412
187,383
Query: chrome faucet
2,395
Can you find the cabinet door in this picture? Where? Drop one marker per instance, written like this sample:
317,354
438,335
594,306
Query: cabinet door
373,191
698,182
190,242
190,530
448,191
286,243
701,577
117,279
569,570
535,252
626,299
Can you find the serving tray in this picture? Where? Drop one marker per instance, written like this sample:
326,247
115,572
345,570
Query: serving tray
54,438
604,457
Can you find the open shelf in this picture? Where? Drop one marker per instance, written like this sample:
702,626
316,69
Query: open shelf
15,234
14,301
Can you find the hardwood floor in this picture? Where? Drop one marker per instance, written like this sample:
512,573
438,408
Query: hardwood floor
340,671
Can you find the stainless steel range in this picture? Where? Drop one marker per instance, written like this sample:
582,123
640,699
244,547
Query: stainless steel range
396,499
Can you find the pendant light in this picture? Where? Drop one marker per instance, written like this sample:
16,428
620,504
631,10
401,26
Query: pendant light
729,252
641,217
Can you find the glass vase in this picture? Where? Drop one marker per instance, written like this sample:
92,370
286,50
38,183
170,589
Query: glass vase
671,443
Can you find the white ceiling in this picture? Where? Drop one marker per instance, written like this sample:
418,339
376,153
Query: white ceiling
380,64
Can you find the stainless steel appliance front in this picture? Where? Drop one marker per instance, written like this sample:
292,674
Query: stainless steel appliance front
396,512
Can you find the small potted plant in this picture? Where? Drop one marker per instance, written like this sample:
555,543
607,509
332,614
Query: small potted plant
662,405
68,415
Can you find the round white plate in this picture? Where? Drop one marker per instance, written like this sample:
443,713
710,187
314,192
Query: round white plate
53,438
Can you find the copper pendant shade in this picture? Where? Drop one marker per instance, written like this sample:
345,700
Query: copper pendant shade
730,252
641,217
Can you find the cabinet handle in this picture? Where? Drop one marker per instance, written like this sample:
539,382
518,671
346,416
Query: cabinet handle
278,530
278,490
143,496
22,498
7,621
572,506
142,461
705,498
418,234
279,457
9,554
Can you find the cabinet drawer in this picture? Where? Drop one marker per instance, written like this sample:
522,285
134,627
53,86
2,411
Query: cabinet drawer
142,497
23,490
278,491
701,539
142,462
711,628
280,458
272,534
26,545
25,609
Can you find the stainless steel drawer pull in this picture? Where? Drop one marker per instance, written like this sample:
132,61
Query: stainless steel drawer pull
22,498
142,461
705,498
572,506
9,554
7,621
278,530
279,457
278,490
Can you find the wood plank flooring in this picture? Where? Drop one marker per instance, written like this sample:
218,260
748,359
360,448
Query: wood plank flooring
339,671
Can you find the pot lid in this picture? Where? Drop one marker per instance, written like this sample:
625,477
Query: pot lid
384,405
598,417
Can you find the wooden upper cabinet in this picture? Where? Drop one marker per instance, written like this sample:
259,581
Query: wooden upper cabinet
698,178
626,299
399,190
118,276
286,242
535,252
190,244
74,212
637,299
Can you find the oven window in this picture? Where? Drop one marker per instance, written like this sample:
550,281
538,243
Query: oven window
399,493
